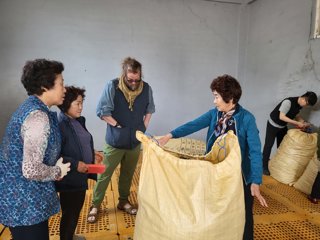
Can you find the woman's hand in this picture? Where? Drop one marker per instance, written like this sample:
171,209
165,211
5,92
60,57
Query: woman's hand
64,167
98,157
163,140
82,167
255,192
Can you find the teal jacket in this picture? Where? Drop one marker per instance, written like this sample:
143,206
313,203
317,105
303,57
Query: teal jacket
246,131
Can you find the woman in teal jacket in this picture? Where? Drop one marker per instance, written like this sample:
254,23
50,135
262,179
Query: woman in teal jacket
229,115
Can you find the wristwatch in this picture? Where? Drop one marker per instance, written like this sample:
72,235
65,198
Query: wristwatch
117,125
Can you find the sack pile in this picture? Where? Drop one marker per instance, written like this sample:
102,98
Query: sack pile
305,182
292,157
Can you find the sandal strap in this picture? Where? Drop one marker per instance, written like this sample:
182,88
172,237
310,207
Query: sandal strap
93,215
128,208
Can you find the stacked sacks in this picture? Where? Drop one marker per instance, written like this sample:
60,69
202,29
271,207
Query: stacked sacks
305,182
292,157
196,198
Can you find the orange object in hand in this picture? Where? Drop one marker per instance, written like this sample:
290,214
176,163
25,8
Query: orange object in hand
96,168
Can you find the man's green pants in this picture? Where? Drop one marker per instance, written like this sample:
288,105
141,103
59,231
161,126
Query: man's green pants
127,158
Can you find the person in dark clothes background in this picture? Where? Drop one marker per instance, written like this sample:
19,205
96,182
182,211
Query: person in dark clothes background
314,197
287,111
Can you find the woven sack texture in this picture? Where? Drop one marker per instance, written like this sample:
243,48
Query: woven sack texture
195,198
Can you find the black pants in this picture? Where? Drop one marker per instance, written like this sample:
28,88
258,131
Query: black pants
315,193
248,201
38,231
71,205
272,133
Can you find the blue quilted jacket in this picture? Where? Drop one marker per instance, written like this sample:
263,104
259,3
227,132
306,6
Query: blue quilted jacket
23,201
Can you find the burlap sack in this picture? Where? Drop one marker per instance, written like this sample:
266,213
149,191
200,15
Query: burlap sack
296,150
305,182
189,199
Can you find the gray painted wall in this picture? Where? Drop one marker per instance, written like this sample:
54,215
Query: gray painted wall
280,58
182,44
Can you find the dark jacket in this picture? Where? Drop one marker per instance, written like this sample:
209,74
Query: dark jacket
130,121
293,112
71,151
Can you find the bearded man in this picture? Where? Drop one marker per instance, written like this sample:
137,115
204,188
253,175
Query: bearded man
126,105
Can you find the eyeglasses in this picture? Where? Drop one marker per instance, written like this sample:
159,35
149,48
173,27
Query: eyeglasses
133,81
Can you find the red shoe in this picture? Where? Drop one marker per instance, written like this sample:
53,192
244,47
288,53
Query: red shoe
313,200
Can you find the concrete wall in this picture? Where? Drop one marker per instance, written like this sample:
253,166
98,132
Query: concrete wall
182,44
280,58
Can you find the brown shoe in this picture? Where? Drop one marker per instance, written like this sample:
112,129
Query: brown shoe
313,200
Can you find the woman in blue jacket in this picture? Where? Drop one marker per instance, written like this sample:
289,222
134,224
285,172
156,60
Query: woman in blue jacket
76,148
229,115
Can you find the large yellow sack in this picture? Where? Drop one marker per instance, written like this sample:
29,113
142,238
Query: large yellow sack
305,182
296,150
190,199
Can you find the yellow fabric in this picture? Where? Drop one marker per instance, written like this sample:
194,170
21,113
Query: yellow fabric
305,182
128,94
296,150
183,199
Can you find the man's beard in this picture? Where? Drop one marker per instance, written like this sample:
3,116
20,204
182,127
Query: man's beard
132,87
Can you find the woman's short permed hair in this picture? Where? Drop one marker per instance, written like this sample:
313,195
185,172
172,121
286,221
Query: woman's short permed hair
228,87
40,74
71,95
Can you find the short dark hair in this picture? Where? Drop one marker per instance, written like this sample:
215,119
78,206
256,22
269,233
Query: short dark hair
39,74
311,98
228,87
71,95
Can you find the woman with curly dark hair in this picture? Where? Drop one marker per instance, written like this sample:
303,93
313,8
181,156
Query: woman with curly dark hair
29,154
230,115
77,148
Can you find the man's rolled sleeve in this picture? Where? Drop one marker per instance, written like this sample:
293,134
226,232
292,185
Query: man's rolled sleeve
106,103
151,107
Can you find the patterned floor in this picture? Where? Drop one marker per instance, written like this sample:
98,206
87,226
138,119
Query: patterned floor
290,216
